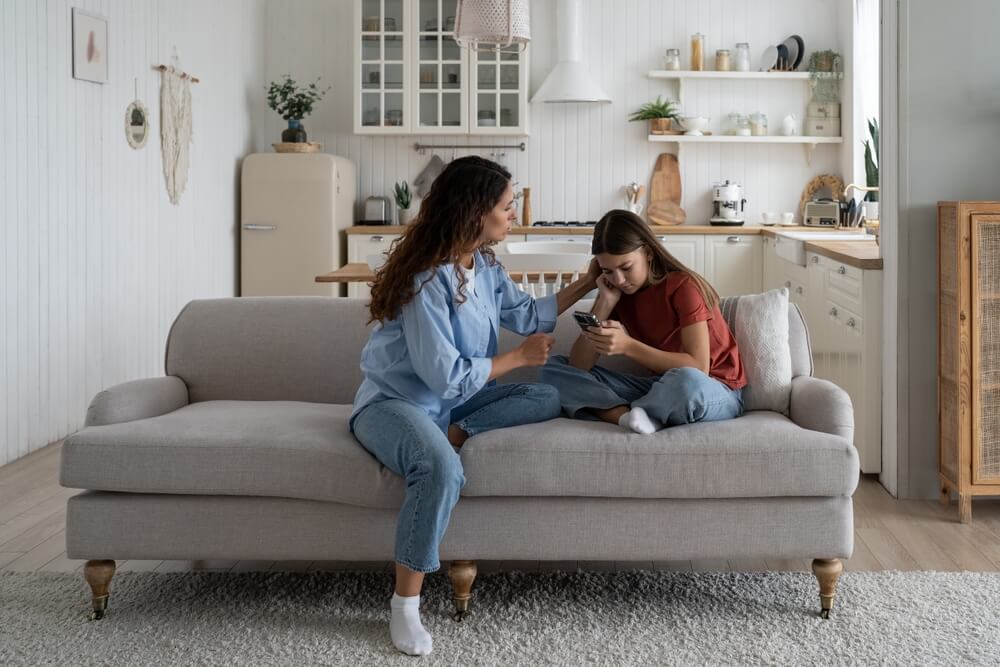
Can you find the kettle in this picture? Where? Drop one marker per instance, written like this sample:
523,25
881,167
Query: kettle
377,212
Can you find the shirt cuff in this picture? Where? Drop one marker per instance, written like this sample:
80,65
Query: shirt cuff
548,312
478,376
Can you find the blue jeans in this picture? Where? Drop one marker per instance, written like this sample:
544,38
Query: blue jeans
407,441
679,396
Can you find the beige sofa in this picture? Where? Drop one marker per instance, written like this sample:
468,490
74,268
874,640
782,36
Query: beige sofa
242,451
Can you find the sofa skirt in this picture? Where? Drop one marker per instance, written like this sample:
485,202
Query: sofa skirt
121,526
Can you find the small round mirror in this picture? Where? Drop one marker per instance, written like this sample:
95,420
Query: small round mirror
136,124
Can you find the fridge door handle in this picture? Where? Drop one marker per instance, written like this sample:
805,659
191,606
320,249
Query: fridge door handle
266,228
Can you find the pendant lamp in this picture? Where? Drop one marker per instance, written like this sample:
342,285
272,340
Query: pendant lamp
490,25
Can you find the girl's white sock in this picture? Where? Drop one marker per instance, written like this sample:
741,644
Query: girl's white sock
407,632
637,420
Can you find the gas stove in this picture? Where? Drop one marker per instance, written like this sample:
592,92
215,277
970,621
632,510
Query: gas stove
563,223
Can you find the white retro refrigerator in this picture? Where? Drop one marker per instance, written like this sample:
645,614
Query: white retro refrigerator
294,210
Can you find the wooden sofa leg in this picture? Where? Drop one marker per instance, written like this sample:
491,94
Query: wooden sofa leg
827,571
462,573
98,574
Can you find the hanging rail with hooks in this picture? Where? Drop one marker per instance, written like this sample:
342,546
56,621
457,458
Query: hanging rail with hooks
183,75
422,148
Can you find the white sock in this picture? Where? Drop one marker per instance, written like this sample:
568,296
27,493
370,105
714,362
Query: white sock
637,420
405,628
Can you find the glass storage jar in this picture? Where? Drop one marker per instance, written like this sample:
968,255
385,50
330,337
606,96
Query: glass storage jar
697,52
742,57
758,124
672,60
722,60
743,127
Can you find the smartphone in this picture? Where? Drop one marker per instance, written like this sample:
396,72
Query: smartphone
586,319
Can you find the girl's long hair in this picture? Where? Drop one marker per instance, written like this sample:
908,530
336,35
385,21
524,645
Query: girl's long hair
449,223
620,232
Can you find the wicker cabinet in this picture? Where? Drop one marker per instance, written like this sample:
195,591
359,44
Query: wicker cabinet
969,351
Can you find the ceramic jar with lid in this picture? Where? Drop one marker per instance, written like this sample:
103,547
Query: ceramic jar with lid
722,60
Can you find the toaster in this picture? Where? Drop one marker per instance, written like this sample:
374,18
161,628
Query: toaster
377,212
822,214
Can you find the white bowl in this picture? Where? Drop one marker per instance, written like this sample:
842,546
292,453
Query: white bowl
694,125
771,218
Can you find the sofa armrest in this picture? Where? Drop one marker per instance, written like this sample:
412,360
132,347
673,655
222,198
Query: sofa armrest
820,405
138,399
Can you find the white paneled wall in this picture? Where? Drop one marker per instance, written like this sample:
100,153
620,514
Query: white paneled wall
579,156
94,261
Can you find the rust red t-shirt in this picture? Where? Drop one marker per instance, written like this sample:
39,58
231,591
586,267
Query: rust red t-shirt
656,314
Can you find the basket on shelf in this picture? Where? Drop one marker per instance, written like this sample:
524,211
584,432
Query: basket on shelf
300,147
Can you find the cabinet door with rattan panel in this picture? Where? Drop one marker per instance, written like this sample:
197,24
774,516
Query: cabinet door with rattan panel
985,261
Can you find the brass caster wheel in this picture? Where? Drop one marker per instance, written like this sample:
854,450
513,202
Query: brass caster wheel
97,614
460,616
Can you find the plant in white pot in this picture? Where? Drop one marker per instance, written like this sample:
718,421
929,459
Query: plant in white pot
404,199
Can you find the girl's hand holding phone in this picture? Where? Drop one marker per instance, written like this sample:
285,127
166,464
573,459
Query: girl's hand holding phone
611,338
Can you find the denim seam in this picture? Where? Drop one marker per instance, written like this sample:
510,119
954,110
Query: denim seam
418,495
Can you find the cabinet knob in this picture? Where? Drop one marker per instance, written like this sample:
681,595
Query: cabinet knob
815,259
842,269
732,239
798,290
378,237
788,284
662,238
833,312
851,322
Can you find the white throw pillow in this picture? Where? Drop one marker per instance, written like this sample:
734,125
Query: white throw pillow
760,326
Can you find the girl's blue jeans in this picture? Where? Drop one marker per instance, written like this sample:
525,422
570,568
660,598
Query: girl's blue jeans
679,396
407,441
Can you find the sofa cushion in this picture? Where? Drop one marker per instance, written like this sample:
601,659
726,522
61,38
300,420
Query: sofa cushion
761,454
760,325
248,448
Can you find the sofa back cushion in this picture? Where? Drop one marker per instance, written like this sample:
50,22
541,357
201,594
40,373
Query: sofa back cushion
269,348
309,348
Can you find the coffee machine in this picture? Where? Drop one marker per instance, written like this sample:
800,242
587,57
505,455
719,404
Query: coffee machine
727,204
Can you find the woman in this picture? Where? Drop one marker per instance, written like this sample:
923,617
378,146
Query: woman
665,317
430,363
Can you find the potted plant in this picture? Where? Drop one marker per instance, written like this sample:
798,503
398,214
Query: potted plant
871,170
658,113
293,103
403,197
823,61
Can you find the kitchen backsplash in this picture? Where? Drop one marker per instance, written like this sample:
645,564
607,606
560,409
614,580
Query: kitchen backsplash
579,156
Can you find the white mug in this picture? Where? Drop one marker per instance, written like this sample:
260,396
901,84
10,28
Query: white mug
789,126
788,219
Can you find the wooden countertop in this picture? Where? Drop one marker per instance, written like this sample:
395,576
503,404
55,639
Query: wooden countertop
582,231
361,273
861,254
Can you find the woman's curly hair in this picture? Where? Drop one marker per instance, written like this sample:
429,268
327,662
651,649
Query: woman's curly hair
450,223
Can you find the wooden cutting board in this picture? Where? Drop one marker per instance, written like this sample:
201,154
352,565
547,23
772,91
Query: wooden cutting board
665,185
665,192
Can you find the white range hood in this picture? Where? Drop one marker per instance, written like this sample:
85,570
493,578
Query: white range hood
569,80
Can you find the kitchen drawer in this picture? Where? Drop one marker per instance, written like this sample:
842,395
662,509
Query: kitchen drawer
844,283
359,247
582,239
844,317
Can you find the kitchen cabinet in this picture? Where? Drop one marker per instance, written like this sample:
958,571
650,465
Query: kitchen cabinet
359,248
689,249
412,77
734,264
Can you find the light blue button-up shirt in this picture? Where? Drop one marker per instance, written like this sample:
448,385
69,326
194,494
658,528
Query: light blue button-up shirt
437,353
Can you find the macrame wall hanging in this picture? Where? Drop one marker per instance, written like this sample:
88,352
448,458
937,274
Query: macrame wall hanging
175,127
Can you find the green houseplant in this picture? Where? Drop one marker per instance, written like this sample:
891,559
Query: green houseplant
404,197
293,103
659,113
871,159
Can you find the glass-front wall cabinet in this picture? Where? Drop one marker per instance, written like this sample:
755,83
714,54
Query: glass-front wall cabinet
412,77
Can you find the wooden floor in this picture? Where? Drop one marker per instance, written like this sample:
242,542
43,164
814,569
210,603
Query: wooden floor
888,535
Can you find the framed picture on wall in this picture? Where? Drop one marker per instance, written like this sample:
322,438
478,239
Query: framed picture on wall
90,46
